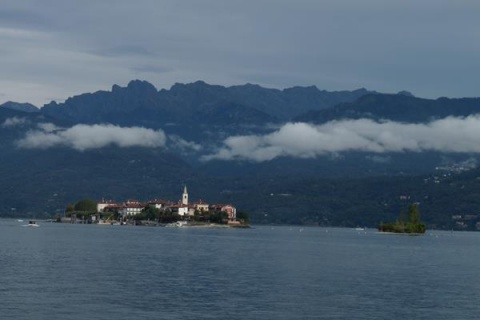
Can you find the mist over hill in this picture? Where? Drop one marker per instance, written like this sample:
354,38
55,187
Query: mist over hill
297,155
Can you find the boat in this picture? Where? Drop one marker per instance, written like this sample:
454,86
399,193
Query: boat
177,224
31,223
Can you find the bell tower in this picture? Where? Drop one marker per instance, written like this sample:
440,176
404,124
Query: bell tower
185,196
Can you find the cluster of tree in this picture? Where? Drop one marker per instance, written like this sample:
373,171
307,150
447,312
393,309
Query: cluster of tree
412,225
154,214
165,216
83,208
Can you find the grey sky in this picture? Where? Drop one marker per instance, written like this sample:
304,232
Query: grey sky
53,49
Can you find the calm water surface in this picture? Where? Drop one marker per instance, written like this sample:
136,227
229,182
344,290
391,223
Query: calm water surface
63,271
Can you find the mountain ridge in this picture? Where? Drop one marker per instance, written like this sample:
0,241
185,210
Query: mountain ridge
184,99
18,106
395,107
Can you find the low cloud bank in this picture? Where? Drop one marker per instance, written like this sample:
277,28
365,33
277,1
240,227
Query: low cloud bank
83,137
13,122
304,140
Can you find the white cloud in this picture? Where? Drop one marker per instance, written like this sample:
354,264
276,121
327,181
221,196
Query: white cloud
13,122
40,140
83,137
183,145
304,140
48,127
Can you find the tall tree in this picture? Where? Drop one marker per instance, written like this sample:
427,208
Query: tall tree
414,213
86,205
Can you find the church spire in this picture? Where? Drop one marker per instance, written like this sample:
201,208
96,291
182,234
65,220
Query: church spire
185,196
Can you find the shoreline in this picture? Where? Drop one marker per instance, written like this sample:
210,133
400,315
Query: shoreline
400,233
177,224
204,225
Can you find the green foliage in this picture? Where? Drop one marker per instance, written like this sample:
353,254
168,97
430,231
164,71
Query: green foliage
149,213
243,216
401,226
219,217
414,213
168,218
86,205
83,209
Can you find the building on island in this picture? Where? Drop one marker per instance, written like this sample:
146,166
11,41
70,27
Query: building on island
182,208
159,204
179,208
201,206
132,208
230,210
101,205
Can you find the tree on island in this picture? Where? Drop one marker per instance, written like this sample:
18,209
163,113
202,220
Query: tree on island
412,226
243,217
83,208
149,213
86,205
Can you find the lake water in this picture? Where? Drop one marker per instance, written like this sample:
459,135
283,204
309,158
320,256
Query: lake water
64,271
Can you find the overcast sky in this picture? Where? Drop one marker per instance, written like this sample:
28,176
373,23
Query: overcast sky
53,49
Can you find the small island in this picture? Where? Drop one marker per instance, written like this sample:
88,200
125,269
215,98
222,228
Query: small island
412,226
155,213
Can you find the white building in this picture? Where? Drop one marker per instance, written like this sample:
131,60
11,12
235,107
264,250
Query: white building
159,204
101,205
131,208
180,209
201,206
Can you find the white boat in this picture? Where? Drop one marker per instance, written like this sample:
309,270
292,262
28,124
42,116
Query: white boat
31,223
177,224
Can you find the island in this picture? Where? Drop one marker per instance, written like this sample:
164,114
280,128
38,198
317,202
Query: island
155,213
412,226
